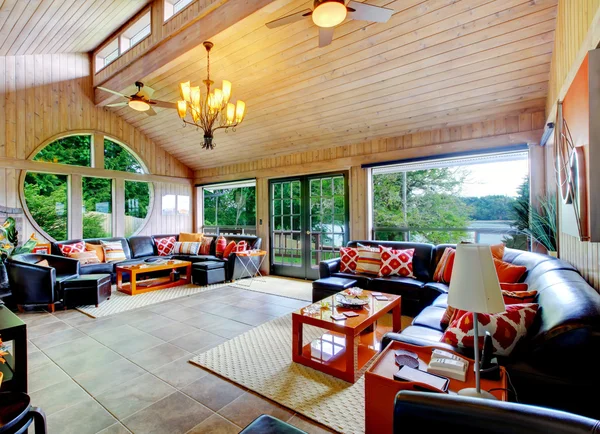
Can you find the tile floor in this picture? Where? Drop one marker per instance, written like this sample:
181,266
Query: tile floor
130,372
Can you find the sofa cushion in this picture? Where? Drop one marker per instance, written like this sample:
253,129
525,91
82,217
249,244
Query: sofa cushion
424,333
437,287
430,317
362,281
441,301
141,246
404,286
421,258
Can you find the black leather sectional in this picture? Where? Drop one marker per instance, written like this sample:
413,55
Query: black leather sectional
555,366
142,247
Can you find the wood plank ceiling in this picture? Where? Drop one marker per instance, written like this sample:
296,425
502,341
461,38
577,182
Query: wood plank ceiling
60,26
435,63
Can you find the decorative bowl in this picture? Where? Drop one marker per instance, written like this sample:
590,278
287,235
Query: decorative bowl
350,302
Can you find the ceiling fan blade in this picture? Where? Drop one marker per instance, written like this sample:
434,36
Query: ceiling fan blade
130,90
164,104
118,104
325,36
114,92
150,112
289,19
365,12
147,92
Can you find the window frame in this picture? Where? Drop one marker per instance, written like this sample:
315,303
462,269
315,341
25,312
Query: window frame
174,14
224,185
75,174
118,37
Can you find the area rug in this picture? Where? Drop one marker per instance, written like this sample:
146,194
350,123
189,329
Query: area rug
282,286
120,302
261,360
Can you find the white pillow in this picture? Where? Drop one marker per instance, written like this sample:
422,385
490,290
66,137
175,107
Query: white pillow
186,248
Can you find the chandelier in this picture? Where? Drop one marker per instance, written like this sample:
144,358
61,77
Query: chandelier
211,110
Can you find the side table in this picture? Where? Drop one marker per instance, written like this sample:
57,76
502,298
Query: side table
251,268
381,388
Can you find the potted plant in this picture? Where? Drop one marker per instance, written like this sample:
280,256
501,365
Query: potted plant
539,223
9,238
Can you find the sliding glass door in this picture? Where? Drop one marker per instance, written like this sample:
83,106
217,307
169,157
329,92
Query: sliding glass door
309,223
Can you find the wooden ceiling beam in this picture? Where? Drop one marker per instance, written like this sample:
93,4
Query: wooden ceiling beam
179,44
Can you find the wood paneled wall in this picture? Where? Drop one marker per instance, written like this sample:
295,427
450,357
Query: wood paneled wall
577,31
525,127
46,96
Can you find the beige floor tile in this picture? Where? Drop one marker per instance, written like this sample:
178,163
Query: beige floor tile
153,322
86,361
117,428
203,319
158,356
134,395
101,324
45,376
109,377
215,425
181,314
45,329
134,344
309,426
180,373
172,331
196,340
57,338
175,414
84,418
228,328
249,406
59,396
213,392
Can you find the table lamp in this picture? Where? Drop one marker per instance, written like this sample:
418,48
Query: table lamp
474,287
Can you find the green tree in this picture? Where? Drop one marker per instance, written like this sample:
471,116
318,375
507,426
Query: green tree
46,197
493,207
432,201
230,207
520,216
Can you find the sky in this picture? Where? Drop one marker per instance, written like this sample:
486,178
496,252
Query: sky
502,178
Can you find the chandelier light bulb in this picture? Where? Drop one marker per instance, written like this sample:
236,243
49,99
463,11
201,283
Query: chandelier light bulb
226,91
218,98
240,110
184,89
195,91
230,113
181,109
329,14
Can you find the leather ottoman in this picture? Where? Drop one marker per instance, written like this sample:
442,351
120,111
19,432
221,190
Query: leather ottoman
266,424
86,289
208,272
328,286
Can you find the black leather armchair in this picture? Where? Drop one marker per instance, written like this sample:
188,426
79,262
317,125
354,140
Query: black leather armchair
433,412
34,284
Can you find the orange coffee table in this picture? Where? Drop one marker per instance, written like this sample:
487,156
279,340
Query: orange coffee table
136,287
354,341
381,388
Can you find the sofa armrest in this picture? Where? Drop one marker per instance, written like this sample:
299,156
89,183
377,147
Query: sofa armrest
63,265
327,268
32,283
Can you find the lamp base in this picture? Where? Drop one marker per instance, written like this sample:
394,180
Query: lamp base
472,392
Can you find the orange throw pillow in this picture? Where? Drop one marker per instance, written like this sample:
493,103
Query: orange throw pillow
519,297
498,251
186,237
96,248
443,271
507,272
514,287
230,247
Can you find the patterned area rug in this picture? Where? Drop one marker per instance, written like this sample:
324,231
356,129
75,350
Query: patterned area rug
120,302
261,360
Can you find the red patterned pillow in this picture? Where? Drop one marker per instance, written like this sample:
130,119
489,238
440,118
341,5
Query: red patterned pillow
67,249
205,247
396,262
506,328
242,246
165,246
443,270
349,256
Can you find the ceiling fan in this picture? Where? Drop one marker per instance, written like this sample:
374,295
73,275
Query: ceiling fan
140,100
327,14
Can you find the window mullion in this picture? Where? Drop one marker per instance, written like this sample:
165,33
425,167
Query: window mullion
75,207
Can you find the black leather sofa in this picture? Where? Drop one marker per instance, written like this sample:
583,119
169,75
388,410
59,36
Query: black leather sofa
416,293
433,412
36,284
557,364
142,247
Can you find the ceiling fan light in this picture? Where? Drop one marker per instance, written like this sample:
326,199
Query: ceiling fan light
329,14
181,109
139,105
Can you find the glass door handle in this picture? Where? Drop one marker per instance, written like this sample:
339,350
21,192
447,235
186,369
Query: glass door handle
307,232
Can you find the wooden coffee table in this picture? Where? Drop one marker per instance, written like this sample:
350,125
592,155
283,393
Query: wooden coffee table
354,341
140,287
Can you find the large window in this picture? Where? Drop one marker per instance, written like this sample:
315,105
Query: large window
137,203
230,208
50,197
46,197
97,207
452,200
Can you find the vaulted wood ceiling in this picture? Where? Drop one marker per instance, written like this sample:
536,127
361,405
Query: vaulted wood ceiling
60,26
435,63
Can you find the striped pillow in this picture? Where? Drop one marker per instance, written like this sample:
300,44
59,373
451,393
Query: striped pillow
186,248
369,260
113,251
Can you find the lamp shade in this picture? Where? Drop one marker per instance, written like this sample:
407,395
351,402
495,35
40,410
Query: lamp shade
474,285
